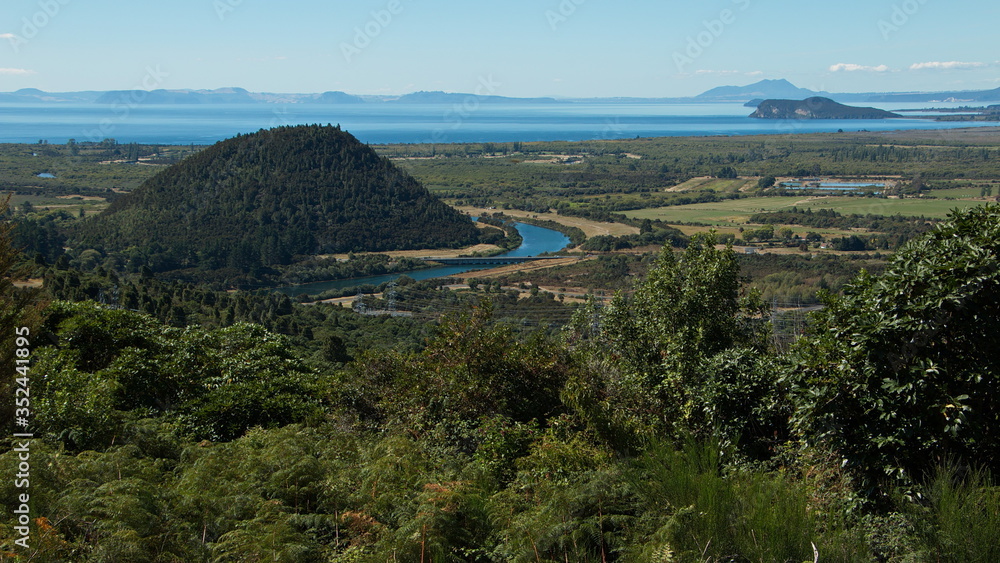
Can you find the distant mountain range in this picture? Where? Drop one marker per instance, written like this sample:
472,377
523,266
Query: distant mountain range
783,89
242,96
765,89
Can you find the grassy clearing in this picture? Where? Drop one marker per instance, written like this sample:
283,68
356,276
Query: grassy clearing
721,230
957,192
799,230
737,212
717,213
71,204
692,184
424,253
709,183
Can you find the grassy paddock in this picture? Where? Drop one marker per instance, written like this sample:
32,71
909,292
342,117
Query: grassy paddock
709,183
963,193
71,204
737,212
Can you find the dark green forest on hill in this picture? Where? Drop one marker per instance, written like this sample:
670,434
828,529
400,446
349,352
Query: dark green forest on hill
662,425
268,198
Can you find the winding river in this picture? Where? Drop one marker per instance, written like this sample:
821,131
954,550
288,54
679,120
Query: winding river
536,240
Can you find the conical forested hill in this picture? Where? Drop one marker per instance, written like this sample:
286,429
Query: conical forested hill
261,199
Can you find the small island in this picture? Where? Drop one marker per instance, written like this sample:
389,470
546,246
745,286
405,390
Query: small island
816,108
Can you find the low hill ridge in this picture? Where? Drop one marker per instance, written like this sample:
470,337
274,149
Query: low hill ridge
816,107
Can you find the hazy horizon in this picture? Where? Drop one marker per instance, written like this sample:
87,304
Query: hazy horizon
557,97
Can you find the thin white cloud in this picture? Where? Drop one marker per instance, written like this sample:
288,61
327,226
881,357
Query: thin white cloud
951,65
849,67
7,36
16,71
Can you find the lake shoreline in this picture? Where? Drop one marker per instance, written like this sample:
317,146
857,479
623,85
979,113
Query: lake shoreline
182,125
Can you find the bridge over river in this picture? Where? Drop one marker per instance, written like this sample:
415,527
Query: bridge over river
481,260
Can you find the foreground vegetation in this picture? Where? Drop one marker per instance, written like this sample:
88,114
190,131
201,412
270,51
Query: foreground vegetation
686,419
662,426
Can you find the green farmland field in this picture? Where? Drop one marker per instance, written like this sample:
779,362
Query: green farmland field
957,192
738,211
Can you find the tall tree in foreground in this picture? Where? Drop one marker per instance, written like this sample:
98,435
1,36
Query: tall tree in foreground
686,353
899,374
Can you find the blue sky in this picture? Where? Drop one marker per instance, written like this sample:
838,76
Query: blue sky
510,48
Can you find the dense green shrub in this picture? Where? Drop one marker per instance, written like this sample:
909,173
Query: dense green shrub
895,373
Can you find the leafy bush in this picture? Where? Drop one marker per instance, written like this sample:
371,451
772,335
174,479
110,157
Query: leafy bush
114,364
894,375
686,353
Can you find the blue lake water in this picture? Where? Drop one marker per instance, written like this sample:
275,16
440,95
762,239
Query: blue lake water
414,123
843,186
823,188
536,240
